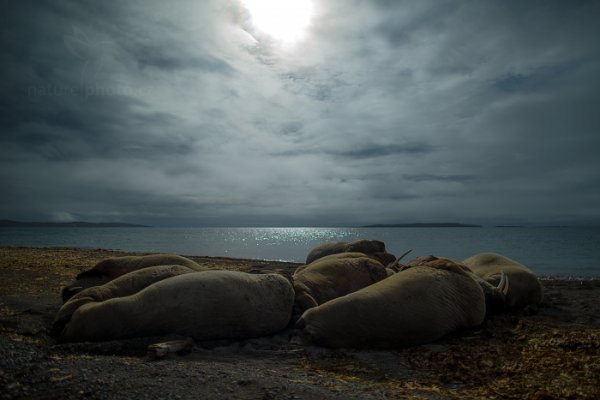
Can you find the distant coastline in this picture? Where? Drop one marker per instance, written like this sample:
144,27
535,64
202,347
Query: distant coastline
5,223
424,225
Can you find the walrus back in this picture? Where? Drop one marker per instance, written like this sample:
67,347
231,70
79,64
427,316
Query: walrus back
111,268
418,305
122,286
333,276
207,305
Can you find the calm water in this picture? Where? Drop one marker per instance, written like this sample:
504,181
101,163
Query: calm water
548,251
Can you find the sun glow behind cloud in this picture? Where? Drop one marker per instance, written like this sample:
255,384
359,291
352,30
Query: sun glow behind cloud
214,122
286,21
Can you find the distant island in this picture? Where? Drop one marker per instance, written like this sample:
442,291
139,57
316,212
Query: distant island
5,223
424,225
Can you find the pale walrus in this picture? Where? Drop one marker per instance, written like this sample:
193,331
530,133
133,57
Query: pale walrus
125,285
418,305
205,305
372,248
333,276
111,268
524,289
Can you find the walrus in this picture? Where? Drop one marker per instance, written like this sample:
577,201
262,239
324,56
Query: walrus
374,248
111,268
383,257
203,305
333,276
495,295
414,306
122,286
525,289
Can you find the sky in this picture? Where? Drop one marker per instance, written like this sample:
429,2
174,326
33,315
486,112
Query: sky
188,113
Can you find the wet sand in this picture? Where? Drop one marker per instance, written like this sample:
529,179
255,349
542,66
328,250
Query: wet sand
545,353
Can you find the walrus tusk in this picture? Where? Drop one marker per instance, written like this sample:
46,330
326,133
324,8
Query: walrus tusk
73,290
403,255
394,265
503,285
160,350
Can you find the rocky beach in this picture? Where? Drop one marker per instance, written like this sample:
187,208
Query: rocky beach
547,352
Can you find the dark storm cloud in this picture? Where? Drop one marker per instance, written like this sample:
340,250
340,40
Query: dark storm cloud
388,111
92,126
364,151
156,57
448,178
372,151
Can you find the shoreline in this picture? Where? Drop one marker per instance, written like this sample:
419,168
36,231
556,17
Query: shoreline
551,352
228,259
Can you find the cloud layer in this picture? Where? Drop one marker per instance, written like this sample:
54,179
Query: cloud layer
387,111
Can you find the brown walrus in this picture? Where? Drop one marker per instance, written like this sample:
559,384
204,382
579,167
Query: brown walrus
111,268
414,306
524,289
204,305
333,276
124,285
372,248
495,295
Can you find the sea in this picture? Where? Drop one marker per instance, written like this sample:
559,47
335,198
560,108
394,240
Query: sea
548,251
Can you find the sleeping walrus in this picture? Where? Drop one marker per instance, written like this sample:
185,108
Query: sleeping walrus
111,268
524,289
495,294
203,305
333,276
417,305
125,285
372,248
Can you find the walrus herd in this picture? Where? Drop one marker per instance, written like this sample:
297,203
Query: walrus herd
347,294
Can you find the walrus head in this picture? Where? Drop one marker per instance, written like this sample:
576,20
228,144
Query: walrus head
83,280
65,313
495,296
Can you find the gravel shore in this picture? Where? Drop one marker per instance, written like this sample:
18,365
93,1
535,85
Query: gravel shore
545,353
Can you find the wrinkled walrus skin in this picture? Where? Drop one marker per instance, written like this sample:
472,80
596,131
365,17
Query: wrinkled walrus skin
205,305
125,285
414,306
495,298
372,248
524,287
333,276
111,268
